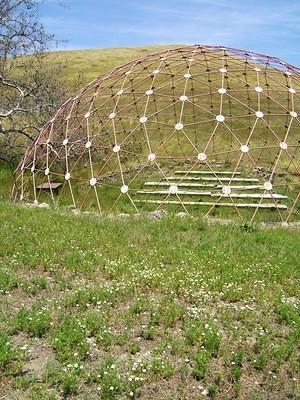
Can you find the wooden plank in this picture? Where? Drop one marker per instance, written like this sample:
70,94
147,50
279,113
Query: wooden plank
209,203
205,185
184,192
208,172
244,187
252,195
49,186
232,195
200,185
214,179
163,183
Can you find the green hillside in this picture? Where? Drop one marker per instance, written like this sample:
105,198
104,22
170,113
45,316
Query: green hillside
90,63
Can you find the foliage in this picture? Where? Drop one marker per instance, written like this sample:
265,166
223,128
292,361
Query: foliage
30,86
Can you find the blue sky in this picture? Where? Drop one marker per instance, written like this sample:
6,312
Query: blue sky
268,26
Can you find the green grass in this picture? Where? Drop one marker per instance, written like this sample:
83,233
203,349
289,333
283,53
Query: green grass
139,308
86,65
6,179
125,308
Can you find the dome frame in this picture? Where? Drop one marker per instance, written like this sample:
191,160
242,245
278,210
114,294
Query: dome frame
222,118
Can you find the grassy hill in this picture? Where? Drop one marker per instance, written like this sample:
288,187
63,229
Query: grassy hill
118,308
90,63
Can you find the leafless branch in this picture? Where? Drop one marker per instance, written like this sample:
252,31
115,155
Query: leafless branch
30,88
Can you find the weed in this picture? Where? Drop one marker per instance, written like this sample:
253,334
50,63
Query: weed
104,338
35,322
148,332
70,340
7,353
162,367
249,228
69,384
193,334
237,364
109,381
134,348
201,365
212,390
211,339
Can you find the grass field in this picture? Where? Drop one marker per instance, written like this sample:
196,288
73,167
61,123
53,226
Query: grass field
135,308
123,308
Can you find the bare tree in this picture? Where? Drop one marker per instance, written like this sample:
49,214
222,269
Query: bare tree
29,85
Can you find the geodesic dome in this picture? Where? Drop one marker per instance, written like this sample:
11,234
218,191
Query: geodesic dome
199,129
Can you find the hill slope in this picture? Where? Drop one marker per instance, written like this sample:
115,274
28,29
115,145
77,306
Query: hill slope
90,63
